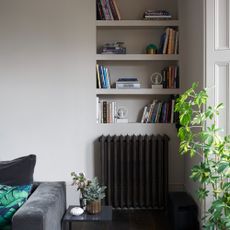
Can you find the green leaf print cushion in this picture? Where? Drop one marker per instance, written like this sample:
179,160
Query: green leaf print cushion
11,199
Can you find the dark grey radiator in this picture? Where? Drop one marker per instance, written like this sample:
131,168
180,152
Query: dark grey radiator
135,171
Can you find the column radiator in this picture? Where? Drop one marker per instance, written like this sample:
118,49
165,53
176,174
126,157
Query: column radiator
135,171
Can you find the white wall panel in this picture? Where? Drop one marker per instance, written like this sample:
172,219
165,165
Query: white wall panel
221,18
222,94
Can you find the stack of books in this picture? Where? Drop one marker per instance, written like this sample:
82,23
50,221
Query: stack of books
169,43
108,10
114,48
171,77
106,111
159,112
128,83
157,14
103,77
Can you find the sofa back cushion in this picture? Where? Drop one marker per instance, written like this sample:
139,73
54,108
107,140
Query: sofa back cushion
11,199
17,172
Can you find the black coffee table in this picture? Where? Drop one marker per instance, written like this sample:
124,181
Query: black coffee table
104,216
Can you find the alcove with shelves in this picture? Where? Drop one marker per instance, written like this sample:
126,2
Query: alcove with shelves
137,34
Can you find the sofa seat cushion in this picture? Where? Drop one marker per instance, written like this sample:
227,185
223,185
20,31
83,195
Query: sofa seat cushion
17,172
11,199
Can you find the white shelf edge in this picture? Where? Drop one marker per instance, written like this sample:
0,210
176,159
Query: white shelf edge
137,57
137,23
137,91
138,123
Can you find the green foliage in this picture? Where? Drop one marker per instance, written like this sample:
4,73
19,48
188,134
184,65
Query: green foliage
94,191
198,137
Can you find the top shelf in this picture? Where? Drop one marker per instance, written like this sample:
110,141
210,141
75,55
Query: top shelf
136,23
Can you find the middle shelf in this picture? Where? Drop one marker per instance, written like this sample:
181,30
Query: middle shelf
141,91
137,57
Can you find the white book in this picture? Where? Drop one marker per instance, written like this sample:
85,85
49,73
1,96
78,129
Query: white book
97,110
143,115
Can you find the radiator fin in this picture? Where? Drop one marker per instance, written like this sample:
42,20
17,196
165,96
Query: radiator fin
135,171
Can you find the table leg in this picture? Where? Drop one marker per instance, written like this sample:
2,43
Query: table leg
70,225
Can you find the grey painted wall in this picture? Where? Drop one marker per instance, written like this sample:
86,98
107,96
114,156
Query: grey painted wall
192,64
47,90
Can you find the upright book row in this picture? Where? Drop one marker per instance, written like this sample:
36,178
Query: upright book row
107,10
169,43
159,112
170,77
103,77
106,111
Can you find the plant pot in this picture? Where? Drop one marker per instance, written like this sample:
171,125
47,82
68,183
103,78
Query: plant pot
93,207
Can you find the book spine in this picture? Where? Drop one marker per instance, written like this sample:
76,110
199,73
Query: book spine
143,114
102,76
166,41
172,111
117,9
105,10
177,78
170,41
108,78
97,110
109,10
98,77
172,51
104,112
100,15
177,43
113,9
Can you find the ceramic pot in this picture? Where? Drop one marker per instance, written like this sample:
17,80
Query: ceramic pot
93,207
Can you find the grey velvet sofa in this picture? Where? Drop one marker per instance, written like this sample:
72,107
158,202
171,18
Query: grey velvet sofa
44,209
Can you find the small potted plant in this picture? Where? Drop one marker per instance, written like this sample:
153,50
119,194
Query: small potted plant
81,182
93,194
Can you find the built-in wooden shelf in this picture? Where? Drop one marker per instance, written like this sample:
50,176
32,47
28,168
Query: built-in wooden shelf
137,23
137,57
137,91
140,124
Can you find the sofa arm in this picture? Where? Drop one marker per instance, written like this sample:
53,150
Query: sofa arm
43,210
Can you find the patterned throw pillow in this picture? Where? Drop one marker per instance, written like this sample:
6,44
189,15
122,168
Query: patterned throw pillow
11,199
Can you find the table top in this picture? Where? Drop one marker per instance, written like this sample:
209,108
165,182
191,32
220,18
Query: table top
104,215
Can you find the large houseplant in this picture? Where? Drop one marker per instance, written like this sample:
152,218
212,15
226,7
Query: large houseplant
199,134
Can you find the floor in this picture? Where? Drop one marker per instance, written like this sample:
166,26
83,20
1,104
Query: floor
130,220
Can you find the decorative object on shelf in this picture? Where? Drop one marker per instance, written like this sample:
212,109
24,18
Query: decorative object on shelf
151,49
76,211
122,114
81,182
93,194
157,14
156,79
113,48
90,191
128,83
